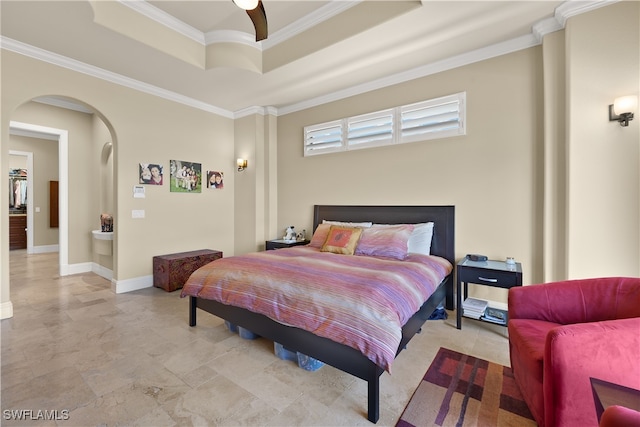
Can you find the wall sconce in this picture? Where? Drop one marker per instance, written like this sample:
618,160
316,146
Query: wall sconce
622,109
242,164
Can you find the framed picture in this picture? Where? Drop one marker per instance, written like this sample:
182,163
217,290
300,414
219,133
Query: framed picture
215,180
150,173
186,177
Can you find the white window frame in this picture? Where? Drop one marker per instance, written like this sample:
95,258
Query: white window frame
318,141
441,118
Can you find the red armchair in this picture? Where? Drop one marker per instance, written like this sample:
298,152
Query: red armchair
563,333
619,416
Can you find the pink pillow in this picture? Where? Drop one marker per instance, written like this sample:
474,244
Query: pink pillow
385,240
320,235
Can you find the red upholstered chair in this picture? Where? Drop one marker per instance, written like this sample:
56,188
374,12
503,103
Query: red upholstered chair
619,416
563,333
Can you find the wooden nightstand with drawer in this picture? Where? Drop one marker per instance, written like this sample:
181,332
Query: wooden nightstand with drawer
497,274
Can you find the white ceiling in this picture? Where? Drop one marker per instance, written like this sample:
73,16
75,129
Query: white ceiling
323,50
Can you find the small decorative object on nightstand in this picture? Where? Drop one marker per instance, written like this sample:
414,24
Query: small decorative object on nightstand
282,243
498,274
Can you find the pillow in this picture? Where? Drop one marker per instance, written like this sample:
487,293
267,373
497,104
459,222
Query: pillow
385,240
320,235
420,240
348,224
342,240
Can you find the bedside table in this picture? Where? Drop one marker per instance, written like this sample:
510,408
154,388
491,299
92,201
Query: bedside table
281,243
497,274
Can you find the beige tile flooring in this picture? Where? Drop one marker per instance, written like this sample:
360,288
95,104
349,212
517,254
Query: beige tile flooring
132,359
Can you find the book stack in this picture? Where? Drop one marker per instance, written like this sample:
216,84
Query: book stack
474,308
495,315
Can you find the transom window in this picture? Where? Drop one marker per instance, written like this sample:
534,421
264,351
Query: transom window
435,118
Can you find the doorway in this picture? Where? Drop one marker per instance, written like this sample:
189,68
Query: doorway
61,136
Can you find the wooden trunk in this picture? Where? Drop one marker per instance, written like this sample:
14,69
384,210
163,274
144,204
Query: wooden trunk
170,272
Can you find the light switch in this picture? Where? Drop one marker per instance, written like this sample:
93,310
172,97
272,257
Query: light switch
137,213
37,209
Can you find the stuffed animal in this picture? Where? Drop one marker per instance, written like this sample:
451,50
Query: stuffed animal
290,233
301,236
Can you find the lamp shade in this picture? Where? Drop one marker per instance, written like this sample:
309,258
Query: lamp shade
246,4
625,104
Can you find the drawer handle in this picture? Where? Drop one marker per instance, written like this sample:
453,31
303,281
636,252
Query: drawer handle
488,280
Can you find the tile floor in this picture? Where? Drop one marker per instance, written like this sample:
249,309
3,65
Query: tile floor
102,359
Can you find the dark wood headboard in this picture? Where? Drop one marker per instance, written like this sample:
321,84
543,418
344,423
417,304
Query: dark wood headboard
443,217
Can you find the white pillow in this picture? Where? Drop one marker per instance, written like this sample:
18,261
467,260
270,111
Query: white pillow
348,224
420,239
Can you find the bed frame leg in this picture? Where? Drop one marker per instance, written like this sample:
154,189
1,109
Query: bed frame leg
192,310
374,399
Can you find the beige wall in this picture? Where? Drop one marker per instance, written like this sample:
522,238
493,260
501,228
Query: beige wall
82,194
603,167
514,185
256,187
45,169
561,198
491,175
143,128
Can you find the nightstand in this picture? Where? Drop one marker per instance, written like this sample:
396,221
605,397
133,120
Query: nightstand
497,274
281,243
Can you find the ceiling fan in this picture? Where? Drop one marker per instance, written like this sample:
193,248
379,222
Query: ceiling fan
256,12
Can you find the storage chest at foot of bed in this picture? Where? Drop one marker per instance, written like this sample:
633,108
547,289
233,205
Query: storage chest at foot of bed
171,271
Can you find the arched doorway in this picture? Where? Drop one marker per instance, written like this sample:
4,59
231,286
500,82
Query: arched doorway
95,132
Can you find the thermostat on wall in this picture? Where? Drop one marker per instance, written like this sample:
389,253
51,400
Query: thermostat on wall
138,192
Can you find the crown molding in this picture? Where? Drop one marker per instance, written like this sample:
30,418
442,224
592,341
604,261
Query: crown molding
328,11
562,13
90,70
320,15
558,22
467,58
250,111
572,8
162,17
233,36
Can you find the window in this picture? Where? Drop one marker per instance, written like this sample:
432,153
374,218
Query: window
435,118
323,138
370,130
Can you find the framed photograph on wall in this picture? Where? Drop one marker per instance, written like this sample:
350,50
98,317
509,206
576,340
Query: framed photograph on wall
186,177
150,173
215,180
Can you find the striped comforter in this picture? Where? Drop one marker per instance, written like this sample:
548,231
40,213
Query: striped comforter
359,301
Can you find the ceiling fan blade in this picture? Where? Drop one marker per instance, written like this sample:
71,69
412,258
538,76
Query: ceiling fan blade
259,19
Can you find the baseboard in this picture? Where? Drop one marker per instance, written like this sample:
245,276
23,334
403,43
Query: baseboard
102,271
128,285
6,310
83,267
44,249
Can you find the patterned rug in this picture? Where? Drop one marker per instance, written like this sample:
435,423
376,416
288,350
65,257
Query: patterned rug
462,390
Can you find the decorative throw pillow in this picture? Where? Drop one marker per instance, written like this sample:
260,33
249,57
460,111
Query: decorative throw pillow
385,240
342,240
320,235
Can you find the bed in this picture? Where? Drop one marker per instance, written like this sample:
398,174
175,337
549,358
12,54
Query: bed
336,354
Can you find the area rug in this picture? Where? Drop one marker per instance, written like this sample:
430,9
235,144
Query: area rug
462,390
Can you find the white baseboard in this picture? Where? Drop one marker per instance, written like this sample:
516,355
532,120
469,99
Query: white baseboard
83,267
44,249
6,310
128,285
102,271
